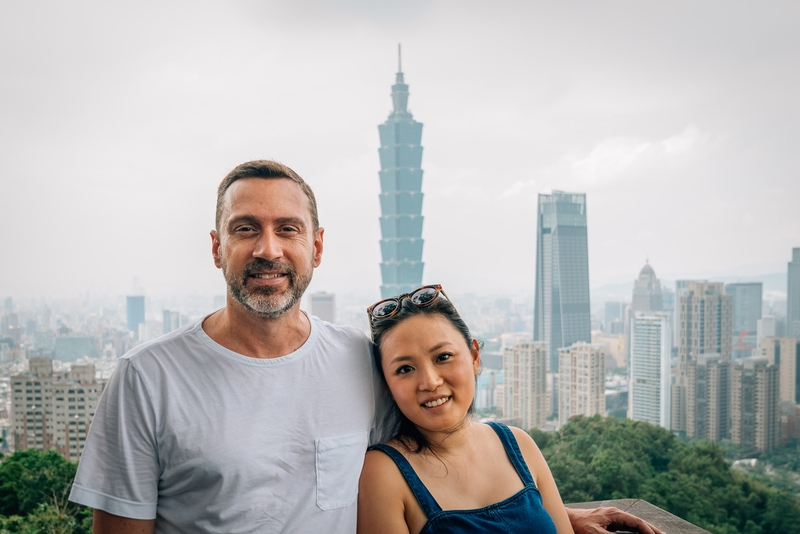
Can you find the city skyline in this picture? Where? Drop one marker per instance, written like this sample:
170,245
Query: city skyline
679,125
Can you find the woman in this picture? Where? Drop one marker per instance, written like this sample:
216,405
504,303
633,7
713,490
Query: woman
441,472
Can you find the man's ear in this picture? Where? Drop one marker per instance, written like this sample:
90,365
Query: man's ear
318,246
215,245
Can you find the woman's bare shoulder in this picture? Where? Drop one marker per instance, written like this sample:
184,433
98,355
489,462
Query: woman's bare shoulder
381,495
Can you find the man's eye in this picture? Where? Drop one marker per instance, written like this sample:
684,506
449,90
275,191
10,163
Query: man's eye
403,369
288,229
245,229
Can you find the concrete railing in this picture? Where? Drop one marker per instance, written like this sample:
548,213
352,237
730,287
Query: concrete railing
654,515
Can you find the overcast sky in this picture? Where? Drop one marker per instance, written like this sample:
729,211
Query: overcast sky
680,121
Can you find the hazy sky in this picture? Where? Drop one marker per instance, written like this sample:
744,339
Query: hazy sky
680,120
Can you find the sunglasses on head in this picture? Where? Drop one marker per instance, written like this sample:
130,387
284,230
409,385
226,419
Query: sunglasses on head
421,297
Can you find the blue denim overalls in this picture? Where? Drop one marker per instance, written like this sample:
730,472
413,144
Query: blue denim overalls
521,513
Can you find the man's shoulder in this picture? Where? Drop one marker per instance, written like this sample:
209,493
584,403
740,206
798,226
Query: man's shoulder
175,341
340,332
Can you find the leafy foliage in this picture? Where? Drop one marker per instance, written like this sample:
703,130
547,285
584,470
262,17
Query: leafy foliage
34,491
597,459
786,457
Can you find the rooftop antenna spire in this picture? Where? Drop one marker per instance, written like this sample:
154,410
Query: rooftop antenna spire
399,59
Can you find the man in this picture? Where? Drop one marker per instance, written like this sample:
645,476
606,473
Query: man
256,418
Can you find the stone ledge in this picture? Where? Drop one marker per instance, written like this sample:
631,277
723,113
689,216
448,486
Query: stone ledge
654,515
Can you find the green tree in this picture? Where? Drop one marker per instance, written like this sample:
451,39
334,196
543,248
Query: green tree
598,459
34,490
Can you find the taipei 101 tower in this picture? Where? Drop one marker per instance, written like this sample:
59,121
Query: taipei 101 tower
401,195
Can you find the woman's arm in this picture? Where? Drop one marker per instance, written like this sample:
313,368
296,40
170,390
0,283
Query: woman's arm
380,496
538,467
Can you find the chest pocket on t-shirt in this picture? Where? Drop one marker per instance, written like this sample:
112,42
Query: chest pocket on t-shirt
339,463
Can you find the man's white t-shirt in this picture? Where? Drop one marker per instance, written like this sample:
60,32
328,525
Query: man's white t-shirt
207,440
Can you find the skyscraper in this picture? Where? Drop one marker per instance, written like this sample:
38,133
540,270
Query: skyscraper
323,305
171,321
58,410
647,298
401,195
705,326
524,384
135,312
708,397
561,309
793,295
646,291
649,386
754,405
581,381
746,313
785,353
614,317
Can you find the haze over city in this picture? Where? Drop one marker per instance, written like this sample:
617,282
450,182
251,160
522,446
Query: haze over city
679,121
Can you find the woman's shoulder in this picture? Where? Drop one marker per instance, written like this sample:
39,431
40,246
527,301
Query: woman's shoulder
524,440
378,462
383,495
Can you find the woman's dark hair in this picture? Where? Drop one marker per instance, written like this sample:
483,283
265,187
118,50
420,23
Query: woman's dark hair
395,425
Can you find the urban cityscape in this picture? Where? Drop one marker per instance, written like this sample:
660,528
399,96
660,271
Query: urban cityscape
606,196
704,359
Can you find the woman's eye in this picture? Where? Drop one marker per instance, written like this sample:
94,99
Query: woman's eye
404,369
443,357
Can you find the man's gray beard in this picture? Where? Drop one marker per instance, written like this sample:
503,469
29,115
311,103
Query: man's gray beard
264,301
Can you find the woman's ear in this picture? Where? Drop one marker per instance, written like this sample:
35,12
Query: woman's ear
475,350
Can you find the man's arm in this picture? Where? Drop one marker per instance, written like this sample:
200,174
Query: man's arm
105,523
598,520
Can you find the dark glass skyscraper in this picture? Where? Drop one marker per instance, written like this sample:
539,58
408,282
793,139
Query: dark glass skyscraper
401,195
793,295
561,311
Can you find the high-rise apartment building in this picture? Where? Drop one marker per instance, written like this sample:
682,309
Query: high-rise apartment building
647,298
524,384
488,383
171,321
581,381
708,397
785,353
401,196
52,411
681,288
755,412
765,327
747,301
323,305
649,376
561,308
705,326
135,312
793,295
614,316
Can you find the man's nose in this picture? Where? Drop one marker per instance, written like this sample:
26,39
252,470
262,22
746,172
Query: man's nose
268,247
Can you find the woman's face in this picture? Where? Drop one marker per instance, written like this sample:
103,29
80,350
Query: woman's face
430,371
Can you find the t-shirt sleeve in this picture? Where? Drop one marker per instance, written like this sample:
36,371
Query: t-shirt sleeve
119,468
